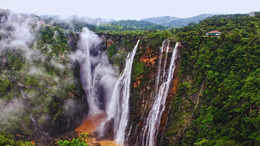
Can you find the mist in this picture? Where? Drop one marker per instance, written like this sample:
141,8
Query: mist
18,35
97,75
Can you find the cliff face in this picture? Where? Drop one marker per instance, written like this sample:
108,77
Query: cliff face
145,70
42,95
143,95
216,100
213,98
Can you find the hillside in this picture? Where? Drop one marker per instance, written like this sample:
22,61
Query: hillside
174,22
51,70
123,25
154,23
218,97
163,20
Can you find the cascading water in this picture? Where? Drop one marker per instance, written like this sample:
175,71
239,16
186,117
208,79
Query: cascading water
166,58
159,67
108,94
154,116
105,92
98,76
118,108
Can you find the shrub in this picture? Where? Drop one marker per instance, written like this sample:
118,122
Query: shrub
138,68
4,85
111,51
80,141
8,141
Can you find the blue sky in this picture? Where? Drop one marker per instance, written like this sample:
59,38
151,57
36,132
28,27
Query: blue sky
130,9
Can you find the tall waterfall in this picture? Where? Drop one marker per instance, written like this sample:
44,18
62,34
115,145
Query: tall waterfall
98,76
159,67
105,91
154,117
118,108
108,93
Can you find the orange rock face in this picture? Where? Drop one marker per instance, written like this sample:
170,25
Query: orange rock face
33,142
109,42
91,123
172,94
148,60
138,81
89,126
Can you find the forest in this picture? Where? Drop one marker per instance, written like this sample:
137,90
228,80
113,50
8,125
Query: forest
217,101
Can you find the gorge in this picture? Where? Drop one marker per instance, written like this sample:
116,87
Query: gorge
65,82
116,94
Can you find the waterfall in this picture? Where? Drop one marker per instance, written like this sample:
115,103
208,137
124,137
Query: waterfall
154,117
118,108
98,76
166,58
85,71
105,91
159,67
109,94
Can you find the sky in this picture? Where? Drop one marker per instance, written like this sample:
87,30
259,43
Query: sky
130,9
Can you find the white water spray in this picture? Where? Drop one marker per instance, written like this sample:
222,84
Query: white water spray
118,108
85,71
166,58
95,70
159,68
154,117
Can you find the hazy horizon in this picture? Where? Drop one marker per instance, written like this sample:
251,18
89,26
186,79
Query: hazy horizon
134,9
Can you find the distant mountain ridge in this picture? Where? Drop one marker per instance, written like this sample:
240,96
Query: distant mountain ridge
169,21
131,25
152,23
163,22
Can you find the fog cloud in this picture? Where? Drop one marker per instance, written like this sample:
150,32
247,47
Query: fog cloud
97,74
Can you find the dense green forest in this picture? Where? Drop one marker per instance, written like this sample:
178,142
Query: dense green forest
218,97
175,22
226,69
223,72
154,23
218,100
130,25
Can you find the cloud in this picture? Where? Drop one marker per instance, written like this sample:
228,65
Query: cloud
17,33
11,112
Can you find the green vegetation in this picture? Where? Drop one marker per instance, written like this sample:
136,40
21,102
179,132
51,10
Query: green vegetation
35,90
112,50
53,41
218,97
226,111
14,60
80,141
130,25
175,22
4,85
257,14
138,68
73,142
9,141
